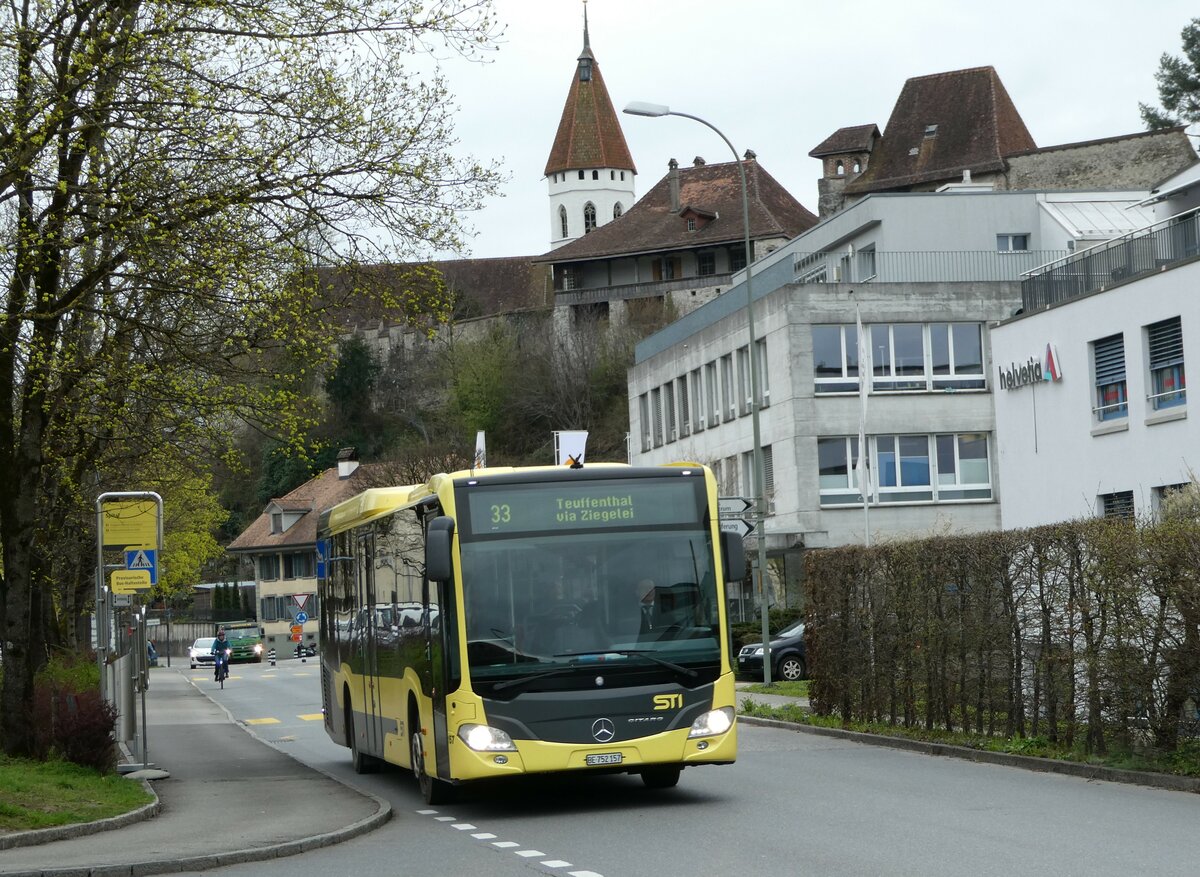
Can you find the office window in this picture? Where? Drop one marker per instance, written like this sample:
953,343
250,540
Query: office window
745,397
668,397
837,479
269,609
706,263
769,478
956,356
1117,505
697,396
1012,243
898,357
835,359
589,217
903,468
644,417
685,413
711,387
1164,341
1108,359
562,220
904,471
656,416
764,386
963,469
728,398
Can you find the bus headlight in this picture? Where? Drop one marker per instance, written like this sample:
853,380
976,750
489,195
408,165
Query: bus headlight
712,722
484,738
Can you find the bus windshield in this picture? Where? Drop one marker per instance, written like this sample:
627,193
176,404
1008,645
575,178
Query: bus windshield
627,595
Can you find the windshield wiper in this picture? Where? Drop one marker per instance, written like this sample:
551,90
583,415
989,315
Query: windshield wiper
645,653
533,677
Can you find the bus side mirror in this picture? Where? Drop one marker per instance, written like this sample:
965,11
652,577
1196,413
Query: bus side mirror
733,553
438,567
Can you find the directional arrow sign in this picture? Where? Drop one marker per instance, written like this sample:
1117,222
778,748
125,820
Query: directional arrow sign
733,506
737,525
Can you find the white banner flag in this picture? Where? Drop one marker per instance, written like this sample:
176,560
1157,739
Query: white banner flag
569,447
480,451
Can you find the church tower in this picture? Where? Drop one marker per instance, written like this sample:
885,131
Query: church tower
590,171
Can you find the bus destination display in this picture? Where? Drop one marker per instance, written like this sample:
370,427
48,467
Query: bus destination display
541,507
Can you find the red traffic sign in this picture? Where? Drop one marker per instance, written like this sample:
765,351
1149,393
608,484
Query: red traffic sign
296,637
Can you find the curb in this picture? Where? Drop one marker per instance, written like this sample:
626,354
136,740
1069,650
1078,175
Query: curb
1169,782
82,829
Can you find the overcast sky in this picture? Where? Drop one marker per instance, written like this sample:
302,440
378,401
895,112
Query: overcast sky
779,76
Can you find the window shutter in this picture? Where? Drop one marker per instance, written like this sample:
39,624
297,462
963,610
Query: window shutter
1109,354
1166,343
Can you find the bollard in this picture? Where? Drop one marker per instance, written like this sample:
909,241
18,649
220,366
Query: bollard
271,656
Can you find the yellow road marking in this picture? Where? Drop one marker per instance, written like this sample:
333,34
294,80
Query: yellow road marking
262,721
311,717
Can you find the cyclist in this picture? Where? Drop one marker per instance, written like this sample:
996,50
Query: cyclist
220,651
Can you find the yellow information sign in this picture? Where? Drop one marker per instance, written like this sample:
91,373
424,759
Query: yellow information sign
130,581
132,522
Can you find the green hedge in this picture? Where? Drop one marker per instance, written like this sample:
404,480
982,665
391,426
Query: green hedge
1086,632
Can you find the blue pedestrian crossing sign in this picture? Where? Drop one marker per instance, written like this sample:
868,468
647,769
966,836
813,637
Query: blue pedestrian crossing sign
143,559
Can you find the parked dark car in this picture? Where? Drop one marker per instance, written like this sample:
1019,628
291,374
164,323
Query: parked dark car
788,662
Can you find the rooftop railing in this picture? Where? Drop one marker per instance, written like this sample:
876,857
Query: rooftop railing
1136,254
918,266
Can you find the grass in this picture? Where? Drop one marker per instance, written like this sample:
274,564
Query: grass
788,689
36,794
1185,761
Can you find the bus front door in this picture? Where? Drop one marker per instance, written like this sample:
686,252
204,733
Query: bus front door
370,645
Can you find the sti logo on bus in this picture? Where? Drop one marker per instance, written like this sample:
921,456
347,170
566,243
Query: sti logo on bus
668,701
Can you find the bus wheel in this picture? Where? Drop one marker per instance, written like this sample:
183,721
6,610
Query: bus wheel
360,762
661,776
433,790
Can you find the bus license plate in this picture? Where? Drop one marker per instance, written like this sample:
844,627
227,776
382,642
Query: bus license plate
603,758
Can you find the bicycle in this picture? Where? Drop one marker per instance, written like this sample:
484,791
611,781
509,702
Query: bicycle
222,671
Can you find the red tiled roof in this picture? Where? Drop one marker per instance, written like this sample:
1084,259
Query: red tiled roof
651,226
977,126
316,495
589,134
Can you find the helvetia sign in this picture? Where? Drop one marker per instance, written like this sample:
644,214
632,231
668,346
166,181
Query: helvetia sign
1024,374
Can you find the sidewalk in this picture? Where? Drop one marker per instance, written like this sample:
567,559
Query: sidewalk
222,803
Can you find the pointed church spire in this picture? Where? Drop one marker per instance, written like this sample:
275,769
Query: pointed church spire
589,133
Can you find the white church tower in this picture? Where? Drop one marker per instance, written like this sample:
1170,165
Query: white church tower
590,170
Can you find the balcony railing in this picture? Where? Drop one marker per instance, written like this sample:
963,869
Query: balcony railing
924,266
1136,254
628,291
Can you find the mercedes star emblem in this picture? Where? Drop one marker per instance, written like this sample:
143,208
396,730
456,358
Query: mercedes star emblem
603,730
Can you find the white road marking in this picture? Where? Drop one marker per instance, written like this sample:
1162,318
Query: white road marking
505,844
556,863
484,835
529,854
463,826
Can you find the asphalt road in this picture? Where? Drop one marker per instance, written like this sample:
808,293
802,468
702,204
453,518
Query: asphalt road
794,804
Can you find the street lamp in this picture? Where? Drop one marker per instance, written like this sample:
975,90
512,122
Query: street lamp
641,108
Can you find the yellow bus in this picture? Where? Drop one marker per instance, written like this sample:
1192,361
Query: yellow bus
513,621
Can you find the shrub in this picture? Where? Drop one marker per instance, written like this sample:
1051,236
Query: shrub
72,719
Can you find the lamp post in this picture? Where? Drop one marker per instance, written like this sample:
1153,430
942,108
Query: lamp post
640,108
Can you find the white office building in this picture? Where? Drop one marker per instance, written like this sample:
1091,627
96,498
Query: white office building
927,272
1095,420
